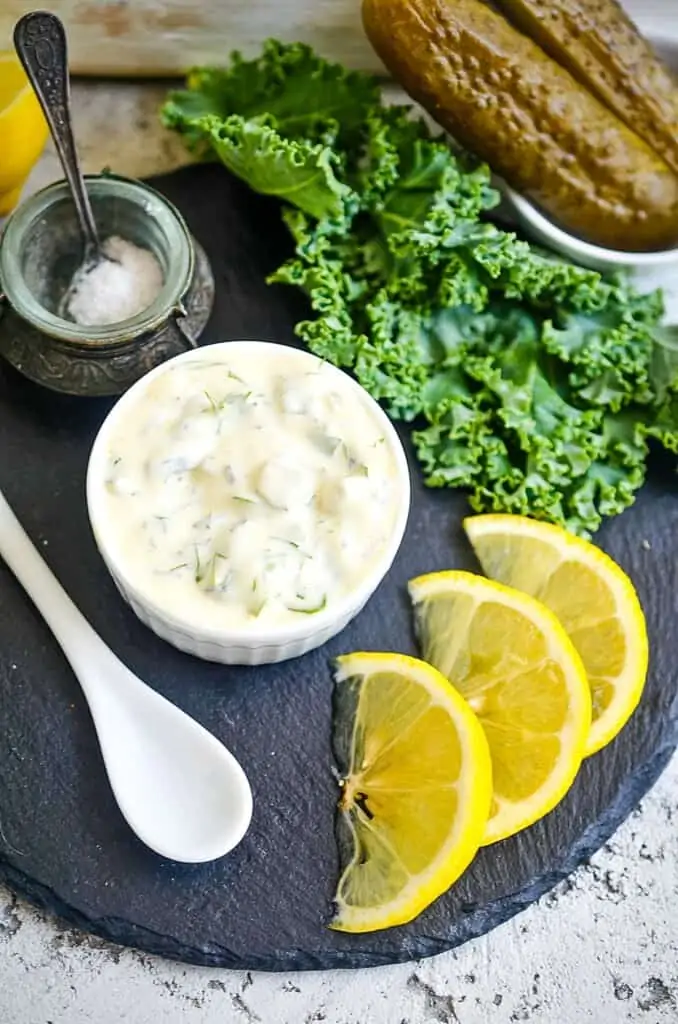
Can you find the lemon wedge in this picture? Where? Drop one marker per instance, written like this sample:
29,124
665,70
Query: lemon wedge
592,597
511,659
23,130
416,789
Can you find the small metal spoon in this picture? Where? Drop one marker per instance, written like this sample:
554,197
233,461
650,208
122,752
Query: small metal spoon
40,44
178,787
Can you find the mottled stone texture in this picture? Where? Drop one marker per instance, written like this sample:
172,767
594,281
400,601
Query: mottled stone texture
602,947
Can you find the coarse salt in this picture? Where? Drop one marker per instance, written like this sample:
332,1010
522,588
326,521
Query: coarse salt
117,288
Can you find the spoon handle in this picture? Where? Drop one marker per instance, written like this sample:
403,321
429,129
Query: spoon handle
40,43
74,634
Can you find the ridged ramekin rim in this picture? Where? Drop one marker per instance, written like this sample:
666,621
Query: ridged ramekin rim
345,608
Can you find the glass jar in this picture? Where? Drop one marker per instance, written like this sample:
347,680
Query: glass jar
40,250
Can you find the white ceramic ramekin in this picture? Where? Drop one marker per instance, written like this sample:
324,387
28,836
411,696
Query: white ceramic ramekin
259,645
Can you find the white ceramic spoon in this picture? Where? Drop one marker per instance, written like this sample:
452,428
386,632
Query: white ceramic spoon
178,787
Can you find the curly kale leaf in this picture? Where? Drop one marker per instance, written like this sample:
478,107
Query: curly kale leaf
663,368
302,173
288,87
533,383
609,352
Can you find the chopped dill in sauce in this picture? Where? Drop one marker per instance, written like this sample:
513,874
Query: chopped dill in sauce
242,492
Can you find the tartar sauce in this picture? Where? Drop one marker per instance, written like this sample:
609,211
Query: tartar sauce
243,492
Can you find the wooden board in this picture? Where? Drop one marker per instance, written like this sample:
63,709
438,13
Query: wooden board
160,37
63,842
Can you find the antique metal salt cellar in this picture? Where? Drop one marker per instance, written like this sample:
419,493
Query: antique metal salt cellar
40,249
57,232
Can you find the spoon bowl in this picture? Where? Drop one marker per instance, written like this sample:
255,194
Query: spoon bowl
177,786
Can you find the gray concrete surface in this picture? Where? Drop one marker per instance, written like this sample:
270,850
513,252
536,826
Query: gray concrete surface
602,947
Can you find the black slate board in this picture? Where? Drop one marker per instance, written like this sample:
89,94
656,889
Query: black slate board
63,843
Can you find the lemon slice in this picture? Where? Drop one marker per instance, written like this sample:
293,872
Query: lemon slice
23,130
511,659
593,598
416,789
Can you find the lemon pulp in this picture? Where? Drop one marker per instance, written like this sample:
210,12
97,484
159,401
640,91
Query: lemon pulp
592,597
415,793
511,660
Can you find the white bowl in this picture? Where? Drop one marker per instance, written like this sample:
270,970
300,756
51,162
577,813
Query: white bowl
263,644
538,226
660,268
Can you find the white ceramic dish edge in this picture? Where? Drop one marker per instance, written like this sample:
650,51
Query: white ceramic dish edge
577,249
240,647
649,270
